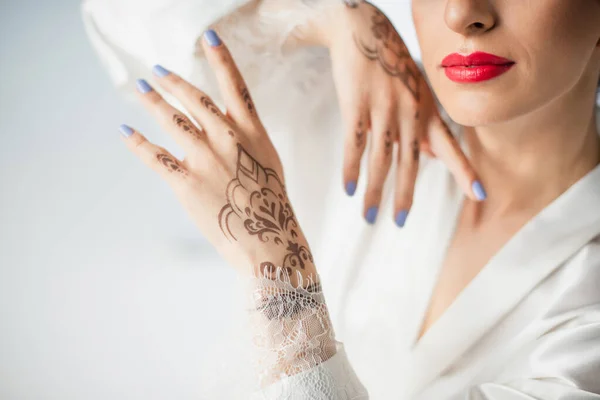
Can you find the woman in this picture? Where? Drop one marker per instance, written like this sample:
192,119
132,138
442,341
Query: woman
494,299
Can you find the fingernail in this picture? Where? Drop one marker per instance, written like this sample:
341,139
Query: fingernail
159,70
125,130
212,38
479,191
143,86
372,214
351,188
401,218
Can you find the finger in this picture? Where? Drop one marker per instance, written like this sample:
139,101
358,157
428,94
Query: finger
447,148
355,144
157,158
384,129
234,90
215,124
411,130
425,146
183,131
353,100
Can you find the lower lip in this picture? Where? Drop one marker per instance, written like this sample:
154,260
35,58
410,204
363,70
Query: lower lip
478,73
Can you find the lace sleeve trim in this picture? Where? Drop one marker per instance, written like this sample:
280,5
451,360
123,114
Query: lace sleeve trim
295,348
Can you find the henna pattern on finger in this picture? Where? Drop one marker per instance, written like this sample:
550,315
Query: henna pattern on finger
415,150
171,164
359,135
389,50
257,197
187,125
388,143
248,100
208,103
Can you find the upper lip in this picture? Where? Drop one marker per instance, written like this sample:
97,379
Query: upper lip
476,58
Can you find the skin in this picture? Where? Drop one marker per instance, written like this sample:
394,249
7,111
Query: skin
392,103
231,179
529,147
231,183
531,131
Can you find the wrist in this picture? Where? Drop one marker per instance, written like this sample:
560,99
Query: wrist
320,24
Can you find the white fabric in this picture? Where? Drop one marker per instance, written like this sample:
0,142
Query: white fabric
527,327
292,336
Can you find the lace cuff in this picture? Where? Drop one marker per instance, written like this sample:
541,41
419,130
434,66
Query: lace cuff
296,355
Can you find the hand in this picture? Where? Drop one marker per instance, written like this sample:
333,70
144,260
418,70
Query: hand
383,93
231,181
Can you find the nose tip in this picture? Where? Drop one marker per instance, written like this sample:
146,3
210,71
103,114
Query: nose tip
469,17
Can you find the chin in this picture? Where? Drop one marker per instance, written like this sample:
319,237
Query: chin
479,109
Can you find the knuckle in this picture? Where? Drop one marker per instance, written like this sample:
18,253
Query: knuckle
175,79
389,136
160,151
139,143
373,193
357,140
164,160
181,122
154,98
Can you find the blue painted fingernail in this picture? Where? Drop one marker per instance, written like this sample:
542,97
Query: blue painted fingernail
401,218
125,130
479,191
143,86
161,71
372,214
212,38
351,188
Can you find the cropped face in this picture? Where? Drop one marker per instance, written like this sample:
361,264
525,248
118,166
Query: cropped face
527,54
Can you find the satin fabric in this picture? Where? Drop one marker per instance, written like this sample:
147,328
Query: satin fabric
527,327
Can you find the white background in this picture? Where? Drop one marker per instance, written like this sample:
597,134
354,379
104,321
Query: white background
105,285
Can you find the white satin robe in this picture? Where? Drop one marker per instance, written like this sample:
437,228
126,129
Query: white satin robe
528,325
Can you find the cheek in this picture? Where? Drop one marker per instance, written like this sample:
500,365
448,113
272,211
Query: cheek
551,41
554,48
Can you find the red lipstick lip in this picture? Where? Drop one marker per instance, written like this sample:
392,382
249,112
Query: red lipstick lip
476,67
476,58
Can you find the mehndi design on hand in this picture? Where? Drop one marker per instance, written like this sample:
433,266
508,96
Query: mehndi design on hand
171,164
248,100
231,181
386,46
257,198
187,125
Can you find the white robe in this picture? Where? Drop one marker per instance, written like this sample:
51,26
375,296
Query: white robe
526,327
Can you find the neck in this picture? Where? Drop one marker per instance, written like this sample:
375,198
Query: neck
529,161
